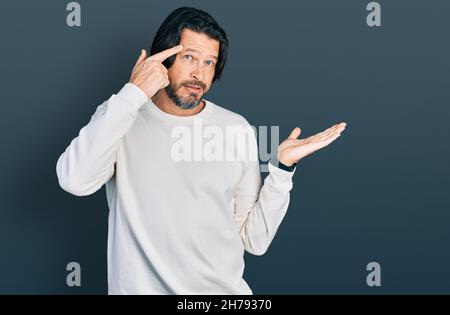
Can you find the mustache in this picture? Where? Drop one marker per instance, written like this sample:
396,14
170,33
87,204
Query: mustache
194,83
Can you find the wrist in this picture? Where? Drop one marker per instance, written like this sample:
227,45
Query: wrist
290,167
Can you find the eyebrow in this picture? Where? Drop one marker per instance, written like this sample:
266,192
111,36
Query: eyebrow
196,51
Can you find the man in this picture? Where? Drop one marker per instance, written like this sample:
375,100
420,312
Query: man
179,226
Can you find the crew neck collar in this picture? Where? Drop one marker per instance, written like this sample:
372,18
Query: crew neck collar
166,117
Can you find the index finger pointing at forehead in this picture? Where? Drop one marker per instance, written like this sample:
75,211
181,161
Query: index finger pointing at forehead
163,55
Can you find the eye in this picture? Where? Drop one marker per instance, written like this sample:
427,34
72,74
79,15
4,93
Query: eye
209,63
187,57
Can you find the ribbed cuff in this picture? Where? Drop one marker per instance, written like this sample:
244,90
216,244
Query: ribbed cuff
279,178
275,162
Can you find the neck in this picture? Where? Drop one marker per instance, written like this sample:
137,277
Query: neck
164,103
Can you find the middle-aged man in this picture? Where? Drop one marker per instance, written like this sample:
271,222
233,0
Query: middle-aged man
180,226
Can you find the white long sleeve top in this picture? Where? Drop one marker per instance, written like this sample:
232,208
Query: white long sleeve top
175,226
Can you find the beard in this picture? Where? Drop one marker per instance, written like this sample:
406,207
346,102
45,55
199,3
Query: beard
186,102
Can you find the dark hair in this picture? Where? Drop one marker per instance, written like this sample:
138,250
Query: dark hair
169,34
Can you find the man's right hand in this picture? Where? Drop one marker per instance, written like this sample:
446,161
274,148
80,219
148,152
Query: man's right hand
149,74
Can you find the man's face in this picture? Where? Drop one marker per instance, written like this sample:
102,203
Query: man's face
192,72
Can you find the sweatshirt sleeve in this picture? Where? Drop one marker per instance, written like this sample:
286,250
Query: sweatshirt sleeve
261,207
88,162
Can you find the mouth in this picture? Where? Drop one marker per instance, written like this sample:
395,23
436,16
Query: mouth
193,88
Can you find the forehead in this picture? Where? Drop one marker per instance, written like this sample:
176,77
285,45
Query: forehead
200,42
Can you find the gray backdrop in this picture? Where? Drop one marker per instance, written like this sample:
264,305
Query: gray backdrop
379,193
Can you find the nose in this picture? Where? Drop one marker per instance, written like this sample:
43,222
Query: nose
196,73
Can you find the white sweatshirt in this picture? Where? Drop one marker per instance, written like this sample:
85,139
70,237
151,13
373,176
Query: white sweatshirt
175,227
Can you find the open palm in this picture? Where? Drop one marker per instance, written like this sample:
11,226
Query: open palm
292,149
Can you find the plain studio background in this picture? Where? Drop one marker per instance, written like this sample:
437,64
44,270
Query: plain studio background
378,193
